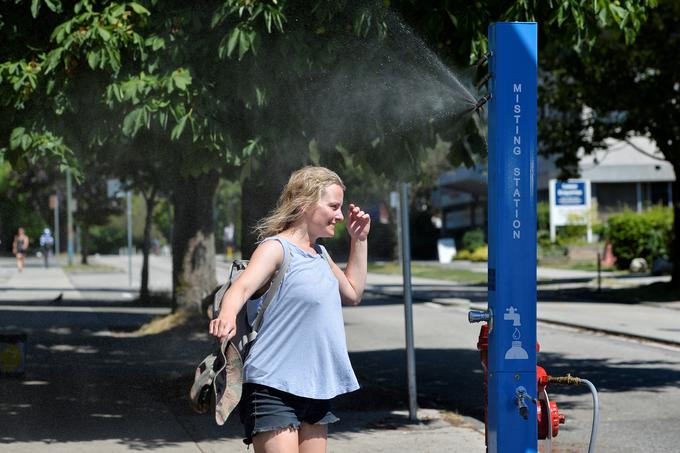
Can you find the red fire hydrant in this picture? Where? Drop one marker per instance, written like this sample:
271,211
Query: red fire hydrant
547,412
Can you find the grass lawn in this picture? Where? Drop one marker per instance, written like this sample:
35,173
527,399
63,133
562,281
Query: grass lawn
577,266
434,272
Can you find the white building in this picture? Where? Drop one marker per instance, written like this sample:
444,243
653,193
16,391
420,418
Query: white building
627,174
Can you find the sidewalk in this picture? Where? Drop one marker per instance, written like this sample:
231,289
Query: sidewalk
644,321
91,386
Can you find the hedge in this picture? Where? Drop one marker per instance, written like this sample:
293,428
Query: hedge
648,235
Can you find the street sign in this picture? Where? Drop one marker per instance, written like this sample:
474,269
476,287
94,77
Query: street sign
570,205
113,188
570,193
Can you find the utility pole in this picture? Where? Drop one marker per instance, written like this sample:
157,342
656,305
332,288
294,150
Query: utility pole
69,218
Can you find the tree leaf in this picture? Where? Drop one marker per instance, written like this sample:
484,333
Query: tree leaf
35,8
16,137
93,59
233,39
139,9
104,33
179,128
181,79
243,45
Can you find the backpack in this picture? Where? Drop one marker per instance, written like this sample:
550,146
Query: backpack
218,378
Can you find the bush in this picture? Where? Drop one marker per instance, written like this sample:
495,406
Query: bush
479,254
647,235
473,239
107,239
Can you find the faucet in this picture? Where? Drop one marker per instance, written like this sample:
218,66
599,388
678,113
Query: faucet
513,316
520,396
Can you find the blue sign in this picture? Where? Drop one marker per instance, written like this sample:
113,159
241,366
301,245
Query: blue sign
570,193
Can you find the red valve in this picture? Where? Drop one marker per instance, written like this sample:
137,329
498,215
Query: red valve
555,418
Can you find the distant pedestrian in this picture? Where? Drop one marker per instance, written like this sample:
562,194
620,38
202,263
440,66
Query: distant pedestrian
20,247
299,361
46,243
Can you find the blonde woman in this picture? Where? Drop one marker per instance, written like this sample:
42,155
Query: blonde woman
299,361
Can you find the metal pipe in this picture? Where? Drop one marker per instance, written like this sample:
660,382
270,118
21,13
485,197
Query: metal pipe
408,304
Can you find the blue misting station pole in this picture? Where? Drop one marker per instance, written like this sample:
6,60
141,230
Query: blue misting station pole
512,422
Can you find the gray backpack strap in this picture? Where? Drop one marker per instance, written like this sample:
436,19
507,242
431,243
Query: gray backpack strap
321,250
273,289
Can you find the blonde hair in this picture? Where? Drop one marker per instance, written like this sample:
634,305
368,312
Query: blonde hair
304,188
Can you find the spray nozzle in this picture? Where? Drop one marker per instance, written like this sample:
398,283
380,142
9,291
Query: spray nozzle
483,100
483,80
484,59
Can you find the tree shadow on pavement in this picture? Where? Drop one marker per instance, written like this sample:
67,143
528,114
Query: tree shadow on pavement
87,379
654,292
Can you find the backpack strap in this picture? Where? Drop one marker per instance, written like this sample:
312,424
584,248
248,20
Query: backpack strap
273,289
321,250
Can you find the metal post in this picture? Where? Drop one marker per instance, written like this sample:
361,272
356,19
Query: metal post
69,218
57,249
129,235
408,304
599,273
512,237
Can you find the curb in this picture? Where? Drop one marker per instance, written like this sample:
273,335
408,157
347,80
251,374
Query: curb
612,333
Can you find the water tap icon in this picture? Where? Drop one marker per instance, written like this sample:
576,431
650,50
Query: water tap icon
512,315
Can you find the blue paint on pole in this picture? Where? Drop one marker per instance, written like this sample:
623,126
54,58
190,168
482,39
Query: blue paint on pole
512,236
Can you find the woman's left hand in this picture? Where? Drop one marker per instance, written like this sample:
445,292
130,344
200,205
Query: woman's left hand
358,223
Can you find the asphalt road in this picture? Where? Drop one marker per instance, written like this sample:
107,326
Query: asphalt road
637,382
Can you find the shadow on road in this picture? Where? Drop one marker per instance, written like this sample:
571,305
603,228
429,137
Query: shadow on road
87,379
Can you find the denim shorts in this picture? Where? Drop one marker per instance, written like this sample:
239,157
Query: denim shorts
268,409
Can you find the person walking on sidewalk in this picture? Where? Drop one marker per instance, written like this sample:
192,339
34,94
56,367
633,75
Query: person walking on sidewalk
299,361
46,243
20,247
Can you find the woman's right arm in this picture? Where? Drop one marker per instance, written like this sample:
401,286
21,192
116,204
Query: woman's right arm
263,264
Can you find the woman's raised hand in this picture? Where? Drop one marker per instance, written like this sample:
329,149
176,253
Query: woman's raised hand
358,223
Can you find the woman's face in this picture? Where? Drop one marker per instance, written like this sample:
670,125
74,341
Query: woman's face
322,217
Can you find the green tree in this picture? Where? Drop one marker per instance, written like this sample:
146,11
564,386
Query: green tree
260,86
621,90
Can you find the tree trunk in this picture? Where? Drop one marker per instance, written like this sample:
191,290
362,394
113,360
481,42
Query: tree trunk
193,248
85,244
675,253
146,244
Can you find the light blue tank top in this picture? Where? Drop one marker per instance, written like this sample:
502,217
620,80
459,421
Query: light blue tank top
301,346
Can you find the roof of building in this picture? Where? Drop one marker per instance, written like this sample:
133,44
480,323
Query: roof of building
623,161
